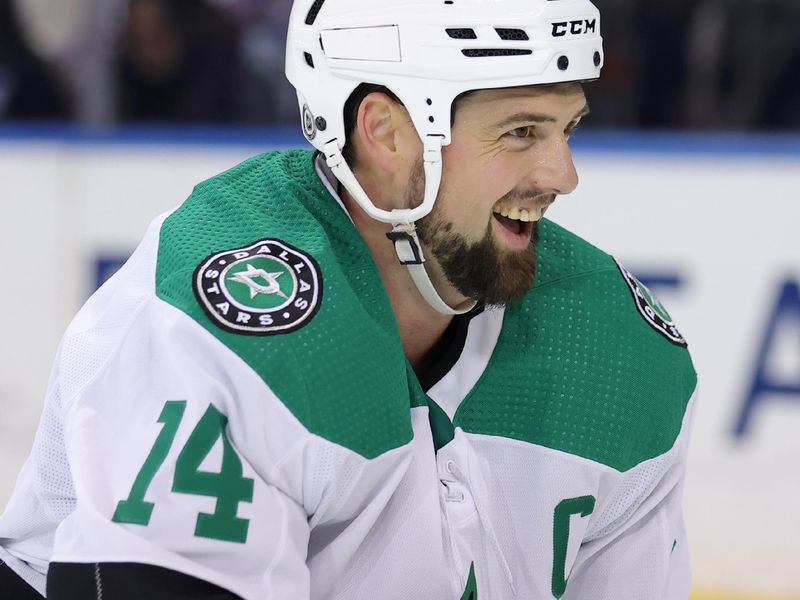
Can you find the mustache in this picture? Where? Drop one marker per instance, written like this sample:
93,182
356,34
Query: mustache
534,195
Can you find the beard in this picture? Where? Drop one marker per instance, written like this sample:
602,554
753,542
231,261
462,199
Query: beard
479,270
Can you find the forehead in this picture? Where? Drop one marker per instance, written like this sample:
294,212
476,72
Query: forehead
493,104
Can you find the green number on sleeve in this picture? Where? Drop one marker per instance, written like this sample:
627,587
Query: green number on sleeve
135,510
582,506
228,486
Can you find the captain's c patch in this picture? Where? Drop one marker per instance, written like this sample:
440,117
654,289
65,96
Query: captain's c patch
652,311
266,288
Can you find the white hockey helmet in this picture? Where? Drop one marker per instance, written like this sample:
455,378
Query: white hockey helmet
428,52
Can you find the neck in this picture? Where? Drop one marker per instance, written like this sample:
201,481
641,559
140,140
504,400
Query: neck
420,325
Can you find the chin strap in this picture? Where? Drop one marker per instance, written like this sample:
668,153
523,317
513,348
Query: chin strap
406,245
404,232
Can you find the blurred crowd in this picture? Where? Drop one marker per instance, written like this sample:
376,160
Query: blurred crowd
669,63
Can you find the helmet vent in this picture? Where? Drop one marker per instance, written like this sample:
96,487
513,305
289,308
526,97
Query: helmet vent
462,34
495,52
309,59
512,35
314,11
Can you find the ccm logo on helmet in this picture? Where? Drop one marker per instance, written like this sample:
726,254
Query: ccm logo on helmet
574,27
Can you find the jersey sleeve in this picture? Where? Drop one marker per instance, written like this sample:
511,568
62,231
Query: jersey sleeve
181,456
638,547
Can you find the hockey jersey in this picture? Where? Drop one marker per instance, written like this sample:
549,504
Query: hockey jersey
235,405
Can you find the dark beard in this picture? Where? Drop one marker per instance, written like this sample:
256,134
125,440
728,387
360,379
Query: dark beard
480,271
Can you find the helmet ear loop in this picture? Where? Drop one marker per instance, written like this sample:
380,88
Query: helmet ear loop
432,160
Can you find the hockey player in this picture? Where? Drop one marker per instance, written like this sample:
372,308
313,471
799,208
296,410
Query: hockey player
375,371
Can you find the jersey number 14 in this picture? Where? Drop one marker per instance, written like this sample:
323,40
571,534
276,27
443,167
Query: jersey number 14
228,486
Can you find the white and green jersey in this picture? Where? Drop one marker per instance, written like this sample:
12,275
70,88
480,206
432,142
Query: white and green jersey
235,405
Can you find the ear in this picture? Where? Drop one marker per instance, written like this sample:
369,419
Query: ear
380,124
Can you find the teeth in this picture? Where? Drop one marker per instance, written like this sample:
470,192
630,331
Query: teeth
523,214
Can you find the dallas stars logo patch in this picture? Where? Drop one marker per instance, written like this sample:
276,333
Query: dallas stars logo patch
651,309
266,288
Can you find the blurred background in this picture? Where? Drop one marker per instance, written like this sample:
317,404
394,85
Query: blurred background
689,64
111,110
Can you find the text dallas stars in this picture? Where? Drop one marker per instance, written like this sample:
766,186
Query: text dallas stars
265,288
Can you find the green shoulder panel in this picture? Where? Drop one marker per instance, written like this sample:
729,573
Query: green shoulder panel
579,367
264,258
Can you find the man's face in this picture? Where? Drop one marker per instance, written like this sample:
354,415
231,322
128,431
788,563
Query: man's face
508,160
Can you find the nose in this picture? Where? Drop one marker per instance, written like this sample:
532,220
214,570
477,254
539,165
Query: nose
553,169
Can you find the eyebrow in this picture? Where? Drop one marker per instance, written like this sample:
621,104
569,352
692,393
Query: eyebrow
529,117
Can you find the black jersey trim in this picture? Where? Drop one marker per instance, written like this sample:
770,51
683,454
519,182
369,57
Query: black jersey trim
127,581
14,587
445,353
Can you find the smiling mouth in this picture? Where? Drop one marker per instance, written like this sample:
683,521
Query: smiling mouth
518,222
513,234
514,226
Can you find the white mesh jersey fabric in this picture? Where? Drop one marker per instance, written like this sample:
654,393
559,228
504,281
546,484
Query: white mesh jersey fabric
392,547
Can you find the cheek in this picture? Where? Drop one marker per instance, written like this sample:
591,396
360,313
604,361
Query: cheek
474,184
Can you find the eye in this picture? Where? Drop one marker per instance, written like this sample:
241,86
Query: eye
522,133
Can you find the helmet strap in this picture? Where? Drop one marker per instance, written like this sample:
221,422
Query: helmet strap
409,252
404,232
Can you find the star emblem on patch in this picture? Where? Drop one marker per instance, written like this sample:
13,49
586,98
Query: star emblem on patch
266,288
250,279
